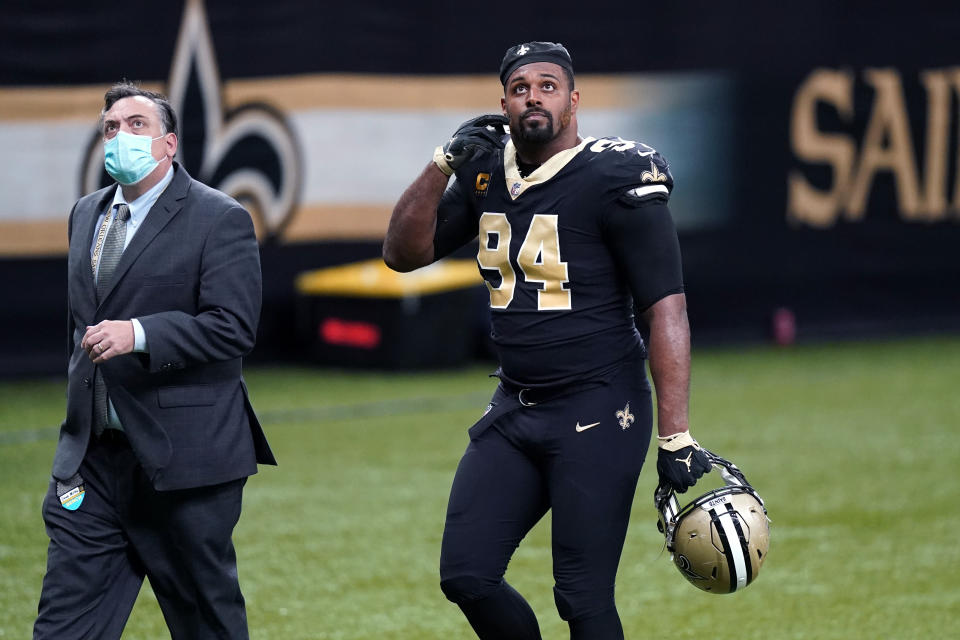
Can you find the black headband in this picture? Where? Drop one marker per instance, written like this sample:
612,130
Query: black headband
529,52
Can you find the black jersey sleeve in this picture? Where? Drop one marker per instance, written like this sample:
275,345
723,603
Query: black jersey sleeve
456,222
643,241
641,179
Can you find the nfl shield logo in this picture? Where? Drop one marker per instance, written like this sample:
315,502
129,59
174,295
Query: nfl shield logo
515,189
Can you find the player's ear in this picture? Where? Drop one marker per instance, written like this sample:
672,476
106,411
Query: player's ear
574,100
503,105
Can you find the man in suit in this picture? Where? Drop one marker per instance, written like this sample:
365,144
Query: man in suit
159,438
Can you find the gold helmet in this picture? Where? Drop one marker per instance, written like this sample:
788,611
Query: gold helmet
720,540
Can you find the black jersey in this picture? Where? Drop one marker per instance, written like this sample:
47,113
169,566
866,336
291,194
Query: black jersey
555,253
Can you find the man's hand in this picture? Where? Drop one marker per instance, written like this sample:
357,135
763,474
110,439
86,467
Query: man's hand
108,339
680,462
483,132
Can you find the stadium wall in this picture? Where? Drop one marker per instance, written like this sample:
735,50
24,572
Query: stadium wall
815,149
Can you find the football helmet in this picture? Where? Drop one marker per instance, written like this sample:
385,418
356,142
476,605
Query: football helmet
720,540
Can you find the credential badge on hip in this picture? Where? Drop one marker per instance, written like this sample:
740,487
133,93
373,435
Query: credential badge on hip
71,492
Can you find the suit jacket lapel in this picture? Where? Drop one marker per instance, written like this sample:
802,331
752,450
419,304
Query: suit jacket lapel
164,209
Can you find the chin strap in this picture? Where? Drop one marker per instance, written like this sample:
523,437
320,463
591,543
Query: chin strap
665,500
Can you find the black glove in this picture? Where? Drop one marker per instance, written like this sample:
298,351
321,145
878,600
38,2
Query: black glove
483,132
680,469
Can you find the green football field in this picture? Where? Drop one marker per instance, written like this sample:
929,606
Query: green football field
854,447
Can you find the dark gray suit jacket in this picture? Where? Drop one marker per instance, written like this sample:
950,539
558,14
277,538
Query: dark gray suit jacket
191,276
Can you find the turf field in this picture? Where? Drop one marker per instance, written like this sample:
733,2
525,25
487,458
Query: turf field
853,446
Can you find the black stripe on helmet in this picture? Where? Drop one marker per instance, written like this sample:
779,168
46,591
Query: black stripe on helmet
727,549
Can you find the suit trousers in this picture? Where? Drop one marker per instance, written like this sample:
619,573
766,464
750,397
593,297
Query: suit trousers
124,530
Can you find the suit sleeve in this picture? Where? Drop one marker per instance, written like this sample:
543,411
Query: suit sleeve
228,302
71,325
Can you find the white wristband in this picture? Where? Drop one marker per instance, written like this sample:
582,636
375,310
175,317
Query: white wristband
677,441
440,160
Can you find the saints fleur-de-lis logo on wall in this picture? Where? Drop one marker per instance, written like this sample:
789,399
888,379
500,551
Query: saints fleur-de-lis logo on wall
625,418
249,152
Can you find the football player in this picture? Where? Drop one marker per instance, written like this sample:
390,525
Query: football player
574,233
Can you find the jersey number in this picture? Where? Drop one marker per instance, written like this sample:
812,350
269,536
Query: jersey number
538,259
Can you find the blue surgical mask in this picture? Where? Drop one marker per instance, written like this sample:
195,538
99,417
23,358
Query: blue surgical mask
127,157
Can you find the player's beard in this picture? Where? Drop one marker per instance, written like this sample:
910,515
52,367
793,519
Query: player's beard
544,133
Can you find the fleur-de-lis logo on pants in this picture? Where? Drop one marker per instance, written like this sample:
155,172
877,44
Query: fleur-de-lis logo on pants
625,418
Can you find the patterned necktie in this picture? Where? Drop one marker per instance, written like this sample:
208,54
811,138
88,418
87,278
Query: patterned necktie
109,256
112,250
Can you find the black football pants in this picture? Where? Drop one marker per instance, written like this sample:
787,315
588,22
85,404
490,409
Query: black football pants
579,455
